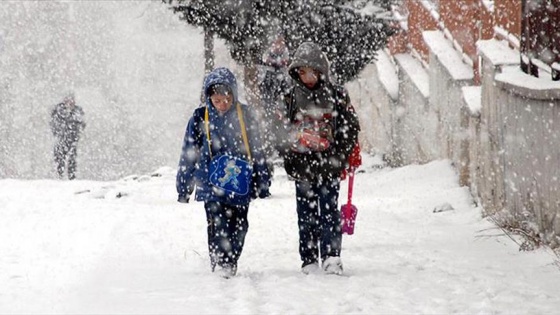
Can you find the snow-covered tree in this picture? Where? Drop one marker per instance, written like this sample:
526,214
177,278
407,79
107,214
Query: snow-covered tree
350,31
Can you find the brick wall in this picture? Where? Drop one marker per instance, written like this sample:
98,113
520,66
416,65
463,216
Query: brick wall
419,20
467,21
507,15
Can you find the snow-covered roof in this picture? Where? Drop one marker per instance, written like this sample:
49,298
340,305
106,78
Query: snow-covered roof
387,75
416,72
473,99
447,55
523,84
498,52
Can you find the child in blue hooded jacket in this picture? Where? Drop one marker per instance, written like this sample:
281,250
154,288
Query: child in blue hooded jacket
223,130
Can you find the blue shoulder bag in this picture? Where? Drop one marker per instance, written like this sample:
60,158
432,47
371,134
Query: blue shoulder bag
230,175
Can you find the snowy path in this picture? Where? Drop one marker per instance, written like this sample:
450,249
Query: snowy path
144,253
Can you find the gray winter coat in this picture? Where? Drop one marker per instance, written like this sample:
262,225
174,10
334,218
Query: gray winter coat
66,124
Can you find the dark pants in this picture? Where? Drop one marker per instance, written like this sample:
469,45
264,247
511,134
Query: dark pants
65,152
227,227
320,232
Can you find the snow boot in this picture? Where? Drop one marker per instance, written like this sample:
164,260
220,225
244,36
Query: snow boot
310,268
226,271
332,266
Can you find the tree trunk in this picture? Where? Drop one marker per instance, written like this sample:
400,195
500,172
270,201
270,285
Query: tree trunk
208,51
208,57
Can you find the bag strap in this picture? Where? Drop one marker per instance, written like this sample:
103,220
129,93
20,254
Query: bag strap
243,130
207,127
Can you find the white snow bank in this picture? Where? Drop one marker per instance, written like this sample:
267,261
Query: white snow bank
447,55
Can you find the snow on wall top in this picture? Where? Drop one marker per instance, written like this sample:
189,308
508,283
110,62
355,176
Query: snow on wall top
497,52
387,75
447,55
416,72
472,96
528,85
489,5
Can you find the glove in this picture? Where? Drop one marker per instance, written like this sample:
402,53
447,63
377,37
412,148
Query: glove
355,159
313,141
183,199
259,191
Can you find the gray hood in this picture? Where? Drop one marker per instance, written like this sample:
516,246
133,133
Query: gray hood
309,54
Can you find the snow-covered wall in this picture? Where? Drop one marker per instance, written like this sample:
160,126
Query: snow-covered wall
448,74
503,136
522,114
416,123
375,105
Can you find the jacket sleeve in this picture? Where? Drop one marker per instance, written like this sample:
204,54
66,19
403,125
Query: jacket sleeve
189,159
54,122
346,133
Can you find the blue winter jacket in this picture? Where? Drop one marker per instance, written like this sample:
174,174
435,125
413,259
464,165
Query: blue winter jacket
226,138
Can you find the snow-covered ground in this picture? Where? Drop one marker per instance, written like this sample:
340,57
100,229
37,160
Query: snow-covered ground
128,247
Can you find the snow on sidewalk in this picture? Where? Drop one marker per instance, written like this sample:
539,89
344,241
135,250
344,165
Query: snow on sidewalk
129,247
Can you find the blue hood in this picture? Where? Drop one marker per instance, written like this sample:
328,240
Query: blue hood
220,76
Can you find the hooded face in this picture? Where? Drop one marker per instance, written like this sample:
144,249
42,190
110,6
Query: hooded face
308,76
220,90
310,65
221,97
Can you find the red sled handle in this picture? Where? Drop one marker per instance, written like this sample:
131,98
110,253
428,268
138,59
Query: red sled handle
350,185
349,211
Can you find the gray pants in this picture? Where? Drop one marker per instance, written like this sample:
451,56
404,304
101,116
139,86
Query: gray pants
65,158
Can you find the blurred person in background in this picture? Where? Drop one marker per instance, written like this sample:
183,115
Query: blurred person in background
67,122
274,82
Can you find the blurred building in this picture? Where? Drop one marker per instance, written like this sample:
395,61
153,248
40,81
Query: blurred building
530,26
